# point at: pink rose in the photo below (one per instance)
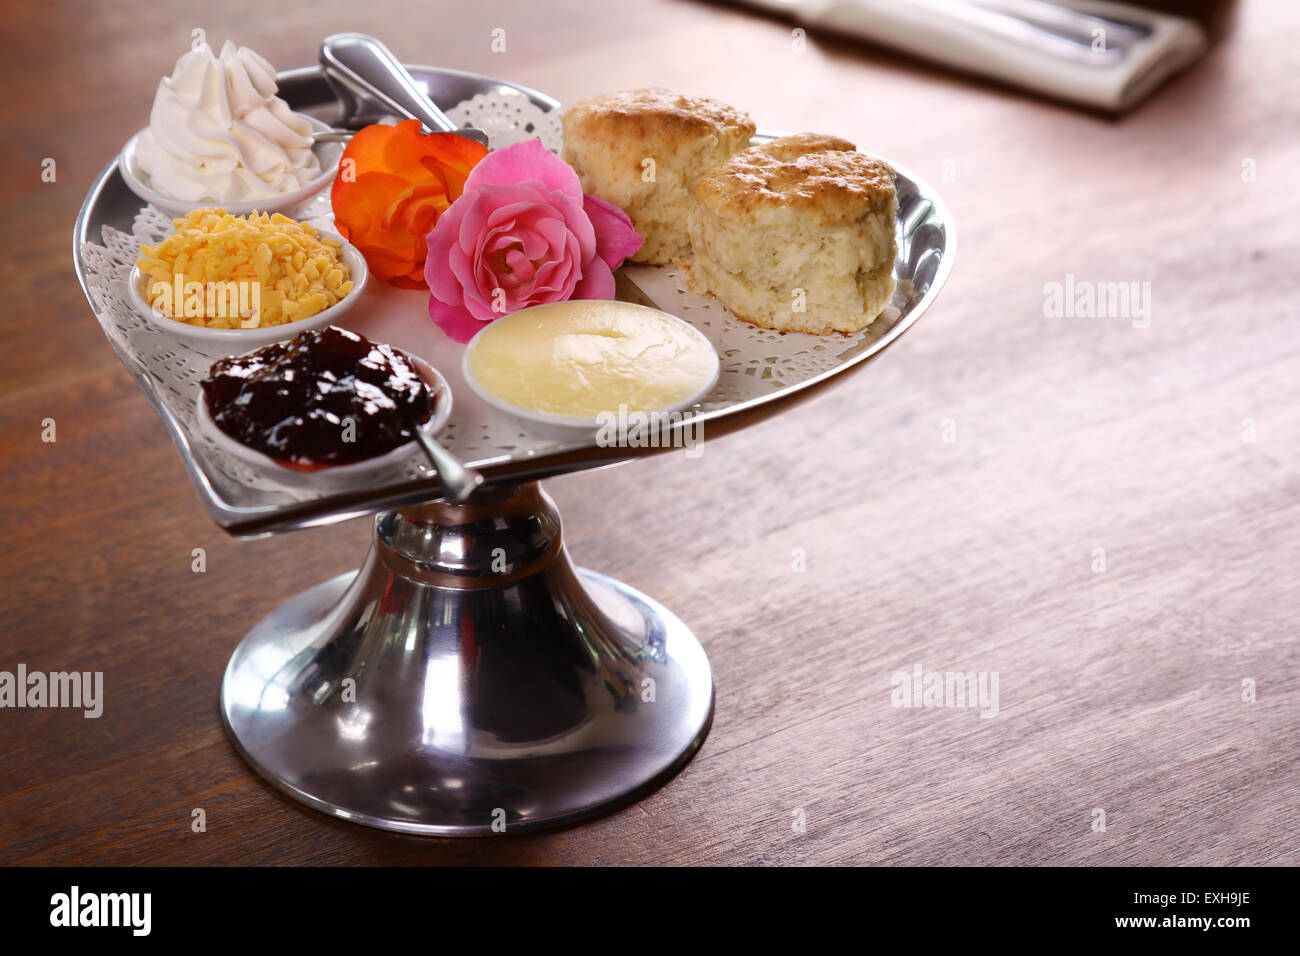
(522, 233)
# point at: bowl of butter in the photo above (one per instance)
(567, 369)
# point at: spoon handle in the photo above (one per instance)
(459, 480)
(367, 66)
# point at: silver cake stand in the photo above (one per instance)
(468, 679)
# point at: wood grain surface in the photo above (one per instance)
(949, 503)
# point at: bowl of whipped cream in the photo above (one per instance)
(219, 135)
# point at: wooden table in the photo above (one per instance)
(954, 504)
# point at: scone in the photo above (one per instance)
(797, 234)
(645, 151)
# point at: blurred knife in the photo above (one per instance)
(626, 290)
(1100, 54)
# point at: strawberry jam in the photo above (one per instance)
(327, 397)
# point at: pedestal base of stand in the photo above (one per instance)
(468, 681)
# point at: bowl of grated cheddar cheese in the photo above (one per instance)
(244, 281)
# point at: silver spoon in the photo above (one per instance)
(459, 480)
(333, 135)
(367, 68)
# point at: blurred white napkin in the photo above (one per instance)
(1105, 55)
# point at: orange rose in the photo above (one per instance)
(399, 181)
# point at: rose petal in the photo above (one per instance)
(556, 280)
(402, 181)
(616, 237)
(555, 232)
(578, 223)
(521, 234)
(538, 227)
(405, 151)
(443, 249)
(520, 266)
(525, 161)
(360, 216)
(535, 243)
(500, 201)
(597, 281)
(454, 320)
(494, 205)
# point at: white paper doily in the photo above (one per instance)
(755, 362)
(509, 118)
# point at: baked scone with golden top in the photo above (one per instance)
(645, 151)
(797, 235)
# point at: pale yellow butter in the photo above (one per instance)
(581, 358)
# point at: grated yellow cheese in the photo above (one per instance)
(290, 270)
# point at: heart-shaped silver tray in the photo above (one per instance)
(763, 372)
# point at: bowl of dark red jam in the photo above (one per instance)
(326, 400)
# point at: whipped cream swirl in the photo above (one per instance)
(218, 132)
